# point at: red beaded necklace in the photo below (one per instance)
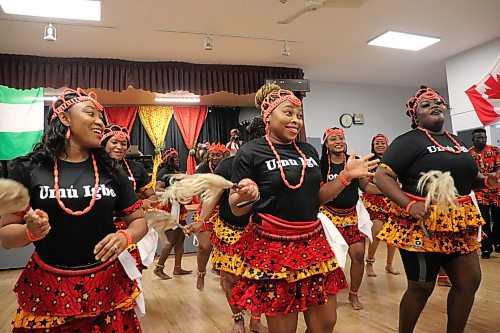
(280, 166)
(129, 172)
(210, 167)
(94, 195)
(441, 146)
(329, 165)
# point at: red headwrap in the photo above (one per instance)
(274, 99)
(169, 152)
(119, 132)
(380, 136)
(422, 93)
(82, 96)
(330, 131)
(217, 148)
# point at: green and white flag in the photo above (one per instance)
(21, 121)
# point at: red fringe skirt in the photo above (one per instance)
(287, 267)
(98, 299)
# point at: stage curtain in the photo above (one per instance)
(121, 115)
(155, 120)
(190, 120)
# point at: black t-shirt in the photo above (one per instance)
(349, 195)
(72, 239)
(204, 168)
(139, 172)
(413, 153)
(224, 169)
(256, 161)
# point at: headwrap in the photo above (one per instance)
(412, 103)
(119, 132)
(169, 152)
(82, 96)
(380, 136)
(274, 99)
(217, 148)
(330, 131)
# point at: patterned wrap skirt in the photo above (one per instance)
(209, 226)
(287, 267)
(223, 238)
(346, 221)
(377, 206)
(97, 299)
(450, 230)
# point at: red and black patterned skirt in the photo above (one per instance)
(287, 267)
(346, 221)
(377, 206)
(98, 299)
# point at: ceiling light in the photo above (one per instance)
(286, 49)
(208, 44)
(403, 41)
(49, 33)
(163, 99)
(89, 10)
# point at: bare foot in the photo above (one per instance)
(180, 271)
(444, 282)
(391, 270)
(369, 270)
(159, 273)
(257, 327)
(200, 280)
(238, 327)
(356, 304)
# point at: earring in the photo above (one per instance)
(68, 134)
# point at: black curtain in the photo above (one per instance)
(174, 140)
(220, 120)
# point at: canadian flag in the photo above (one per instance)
(485, 95)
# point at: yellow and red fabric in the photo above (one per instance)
(452, 230)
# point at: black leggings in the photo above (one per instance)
(424, 266)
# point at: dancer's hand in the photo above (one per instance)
(359, 167)
(148, 204)
(248, 190)
(418, 211)
(37, 223)
(193, 228)
(110, 247)
(494, 179)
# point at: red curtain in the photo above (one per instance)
(121, 115)
(190, 120)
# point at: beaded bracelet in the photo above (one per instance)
(408, 206)
(127, 235)
(31, 237)
(342, 179)
(206, 226)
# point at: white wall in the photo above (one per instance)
(462, 71)
(383, 108)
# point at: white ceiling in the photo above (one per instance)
(333, 46)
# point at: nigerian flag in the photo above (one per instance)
(21, 121)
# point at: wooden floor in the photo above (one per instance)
(176, 306)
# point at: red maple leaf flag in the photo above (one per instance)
(485, 95)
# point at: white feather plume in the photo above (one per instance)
(184, 188)
(440, 188)
(14, 197)
(161, 221)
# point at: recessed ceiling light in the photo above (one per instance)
(89, 10)
(403, 41)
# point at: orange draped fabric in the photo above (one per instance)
(190, 119)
